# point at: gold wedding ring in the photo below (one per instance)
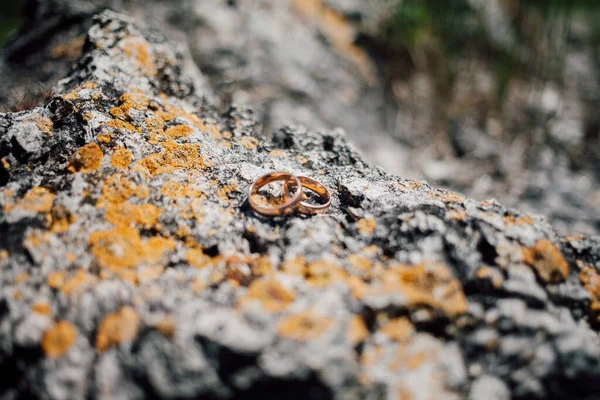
(293, 199)
(290, 204)
(318, 188)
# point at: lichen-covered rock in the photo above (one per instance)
(132, 266)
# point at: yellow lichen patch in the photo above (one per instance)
(591, 282)
(490, 274)
(276, 153)
(295, 266)
(304, 326)
(361, 264)
(547, 261)
(366, 225)
(428, 284)
(118, 113)
(357, 331)
(123, 248)
(166, 327)
(452, 198)
(77, 281)
(44, 124)
(58, 339)
(179, 131)
(271, 294)
(59, 219)
(197, 258)
(56, 279)
(121, 158)
(41, 308)
(86, 159)
(510, 220)
(194, 210)
(117, 328)
(236, 267)
(176, 156)
(457, 215)
(249, 142)
(324, 273)
(301, 159)
(134, 100)
(142, 192)
(399, 329)
(224, 191)
(104, 137)
(118, 124)
(37, 200)
(139, 50)
(126, 214)
(155, 125)
(117, 189)
(177, 190)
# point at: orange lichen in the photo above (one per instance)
(194, 210)
(121, 158)
(139, 50)
(366, 225)
(118, 124)
(118, 327)
(58, 339)
(304, 326)
(76, 282)
(44, 124)
(276, 153)
(224, 191)
(155, 125)
(591, 282)
(59, 219)
(399, 329)
(361, 265)
(177, 190)
(56, 279)
(117, 189)
(451, 197)
(166, 327)
(271, 294)
(457, 215)
(301, 159)
(104, 137)
(176, 156)
(126, 214)
(428, 284)
(179, 131)
(37, 200)
(135, 100)
(295, 266)
(123, 248)
(491, 274)
(41, 308)
(86, 159)
(324, 273)
(357, 331)
(547, 261)
(197, 258)
(510, 220)
(249, 142)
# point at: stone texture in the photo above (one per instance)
(132, 266)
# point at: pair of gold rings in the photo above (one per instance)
(293, 195)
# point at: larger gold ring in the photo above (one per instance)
(291, 202)
(315, 186)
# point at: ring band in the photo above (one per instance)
(286, 208)
(315, 186)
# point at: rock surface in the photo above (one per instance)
(132, 266)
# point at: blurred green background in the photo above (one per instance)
(10, 19)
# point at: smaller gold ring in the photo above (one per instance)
(284, 209)
(318, 188)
